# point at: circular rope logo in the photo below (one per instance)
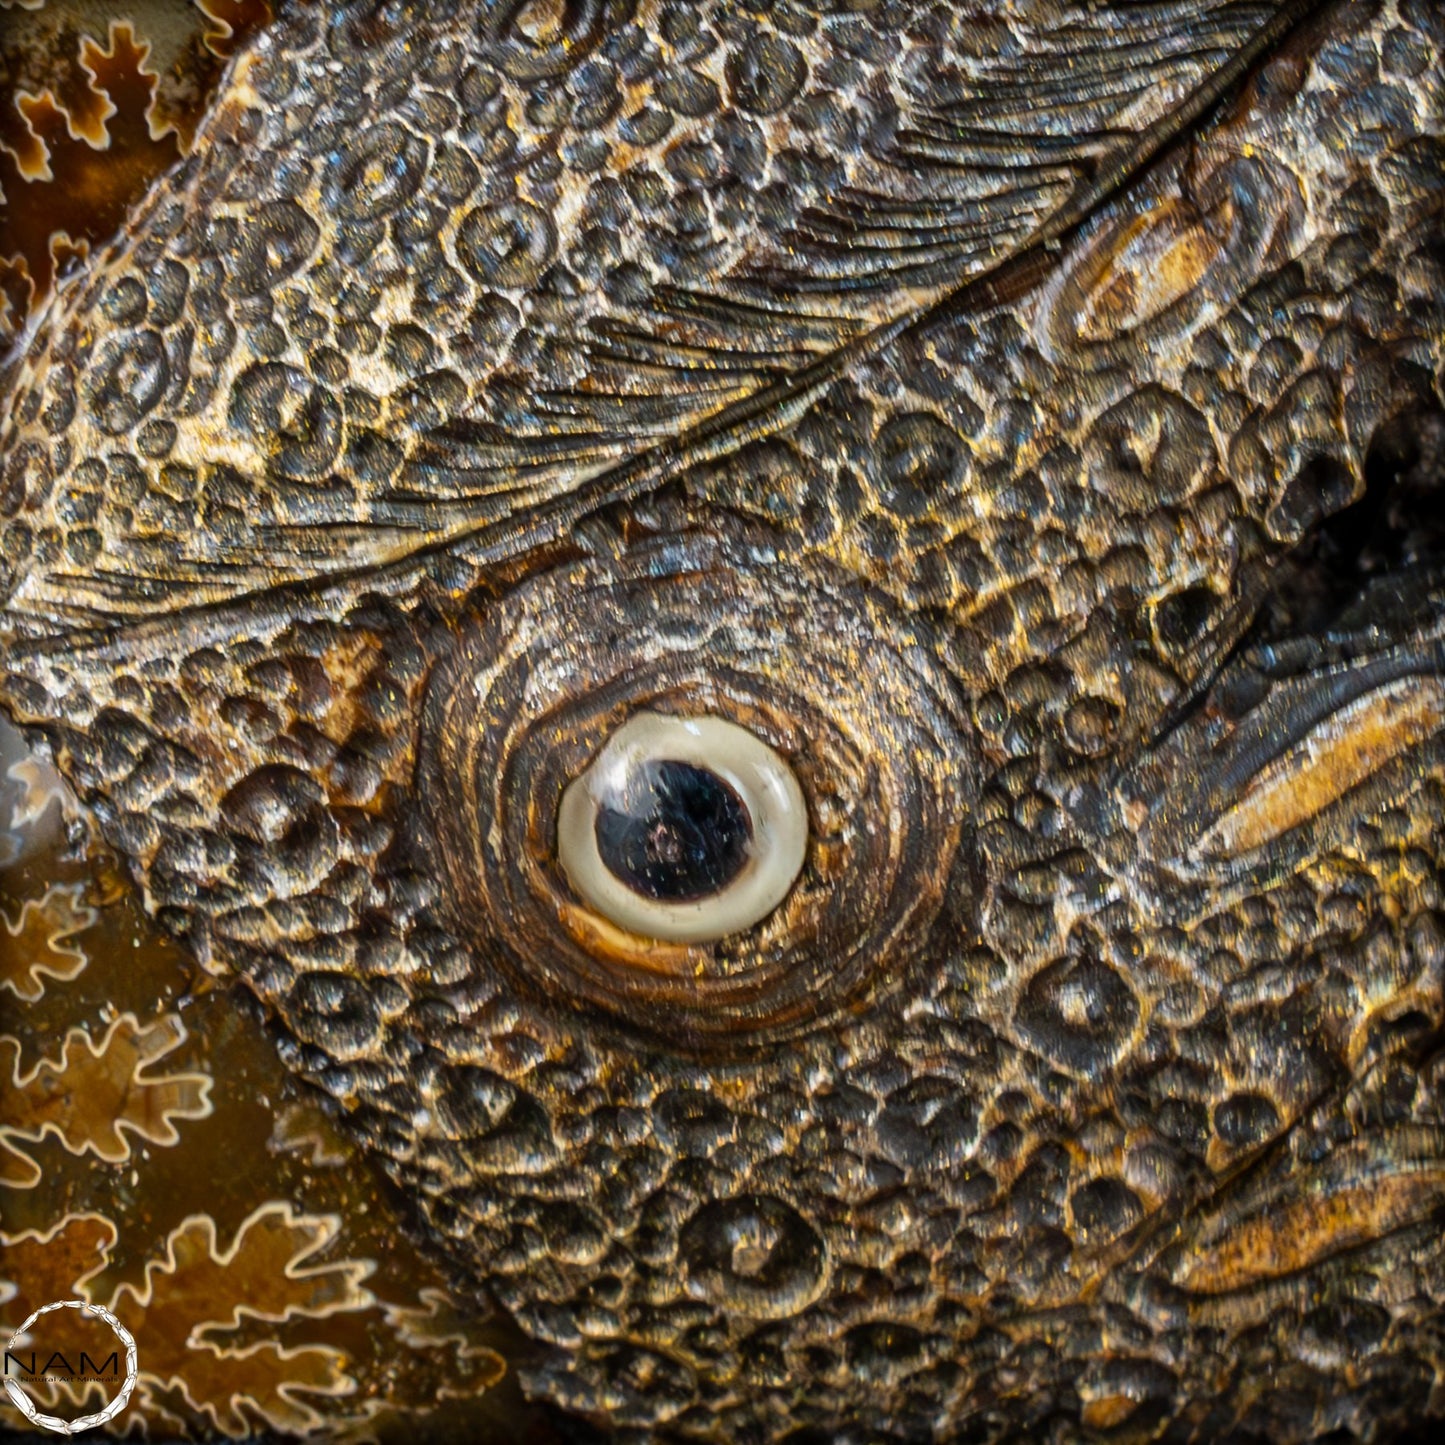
(27, 1406)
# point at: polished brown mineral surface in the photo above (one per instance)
(96, 101)
(156, 1159)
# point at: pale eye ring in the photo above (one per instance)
(683, 828)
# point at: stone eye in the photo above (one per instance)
(684, 829)
(694, 782)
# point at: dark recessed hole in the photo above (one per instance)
(1321, 489)
(1182, 618)
(1397, 525)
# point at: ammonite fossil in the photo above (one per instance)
(793, 653)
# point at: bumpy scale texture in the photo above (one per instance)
(960, 397)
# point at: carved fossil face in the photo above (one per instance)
(729, 612)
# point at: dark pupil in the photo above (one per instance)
(680, 834)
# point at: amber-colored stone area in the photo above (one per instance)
(96, 100)
(157, 1159)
